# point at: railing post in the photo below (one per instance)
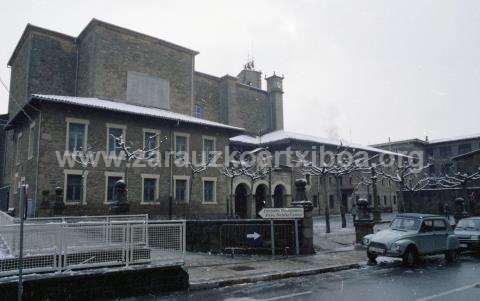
(184, 244)
(297, 244)
(272, 233)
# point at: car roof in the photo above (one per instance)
(418, 215)
(472, 217)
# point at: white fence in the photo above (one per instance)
(78, 245)
(6, 219)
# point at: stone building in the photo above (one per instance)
(253, 195)
(76, 93)
(437, 152)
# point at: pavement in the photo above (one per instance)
(335, 252)
(434, 279)
(220, 271)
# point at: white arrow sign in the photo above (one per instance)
(254, 235)
(281, 213)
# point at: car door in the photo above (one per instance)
(441, 234)
(426, 240)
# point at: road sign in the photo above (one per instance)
(253, 235)
(254, 239)
(281, 213)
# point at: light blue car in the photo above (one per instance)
(412, 235)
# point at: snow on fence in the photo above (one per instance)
(139, 218)
(6, 219)
(67, 246)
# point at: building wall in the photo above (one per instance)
(20, 164)
(44, 64)
(51, 172)
(117, 52)
(19, 78)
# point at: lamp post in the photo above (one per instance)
(21, 206)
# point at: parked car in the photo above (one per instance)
(413, 235)
(468, 233)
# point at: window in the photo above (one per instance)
(445, 151)
(331, 201)
(394, 199)
(111, 179)
(385, 200)
(74, 187)
(150, 188)
(427, 226)
(31, 132)
(76, 134)
(429, 153)
(181, 147)
(439, 225)
(208, 148)
(15, 183)
(18, 147)
(113, 132)
(308, 178)
(181, 188)
(199, 111)
(209, 190)
(464, 148)
(151, 141)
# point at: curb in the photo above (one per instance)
(195, 286)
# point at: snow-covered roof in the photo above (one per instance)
(280, 136)
(117, 106)
(458, 138)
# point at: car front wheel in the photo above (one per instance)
(410, 258)
(451, 255)
(371, 256)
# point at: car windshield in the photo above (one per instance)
(469, 224)
(405, 223)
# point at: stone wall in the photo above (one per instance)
(51, 174)
(116, 52)
(211, 236)
(104, 284)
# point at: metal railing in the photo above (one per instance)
(280, 238)
(67, 246)
(6, 219)
(139, 218)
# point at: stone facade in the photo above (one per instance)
(98, 62)
(439, 153)
(47, 163)
(350, 191)
(116, 64)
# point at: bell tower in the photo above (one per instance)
(275, 101)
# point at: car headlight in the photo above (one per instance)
(475, 237)
(366, 241)
(396, 247)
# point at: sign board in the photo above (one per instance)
(254, 239)
(281, 213)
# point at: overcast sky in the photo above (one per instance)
(360, 70)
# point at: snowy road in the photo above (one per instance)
(432, 280)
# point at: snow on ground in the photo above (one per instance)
(339, 238)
